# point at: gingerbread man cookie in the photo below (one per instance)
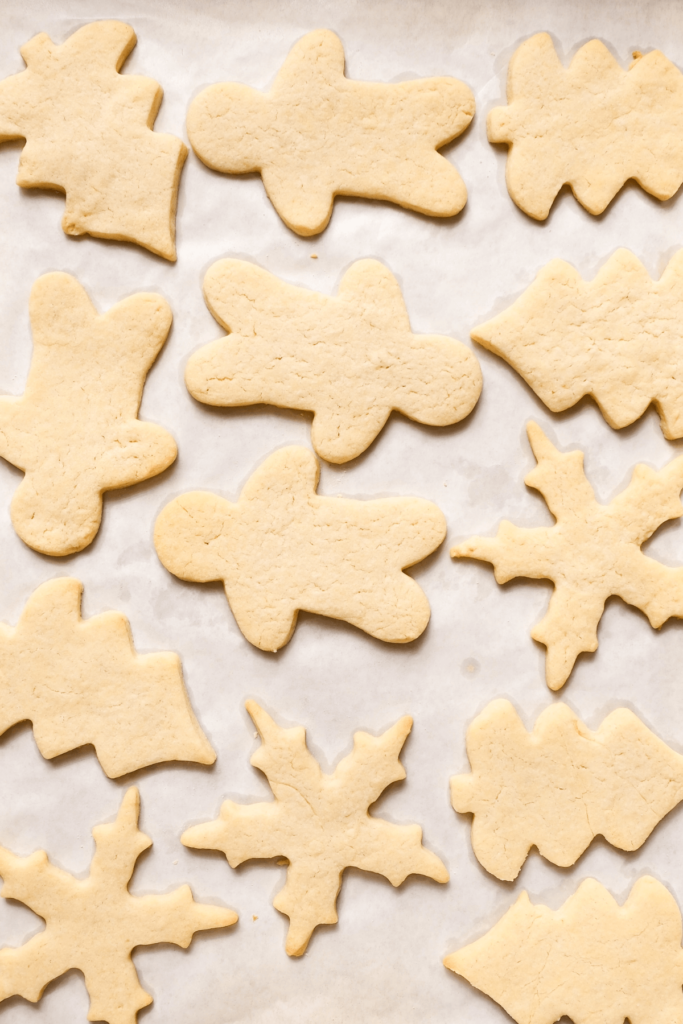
(350, 360)
(317, 134)
(282, 548)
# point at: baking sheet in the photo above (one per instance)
(382, 963)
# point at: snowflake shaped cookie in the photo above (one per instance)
(94, 924)
(319, 822)
(592, 552)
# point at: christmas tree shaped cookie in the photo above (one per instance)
(591, 125)
(618, 338)
(282, 548)
(592, 552)
(317, 135)
(75, 432)
(88, 134)
(350, 360)
(319, 822)
(592, 960)
(82, 682)
(93, 924)
(560, 785)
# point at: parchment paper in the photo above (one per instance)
(382, 963)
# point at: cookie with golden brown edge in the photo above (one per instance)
(317, 134)
(349, 360)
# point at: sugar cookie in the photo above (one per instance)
(616, 338)
(561, 785)
(88, 134)
(94, 924)
(75, 432)
(592, 960)
(82, 682)
(319, 822)
(349, 360)
(591, 125)
(592, 552)
(281, 549)
(317, 135)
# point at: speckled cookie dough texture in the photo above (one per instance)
(82, 682)
(618, 338)
(349, 360)
(88, 134)
(561, 785)
(592, 552)
(319, 822)
(592, 960)
(282, 549)
(93, 924)
(75, 432)
(591, 125)
(316, 135)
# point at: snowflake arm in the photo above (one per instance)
(569, 627)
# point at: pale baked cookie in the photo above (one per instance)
(88, 134)
(75, 432)
(93, 924)
(561, 785)
(82, 682)
(319, 822)
(591, 125)
(592, 552)
(281, 549)
(349, 360)
(592, 960)
(618, 338)
(317, 135)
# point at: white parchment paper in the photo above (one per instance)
(382, 963)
